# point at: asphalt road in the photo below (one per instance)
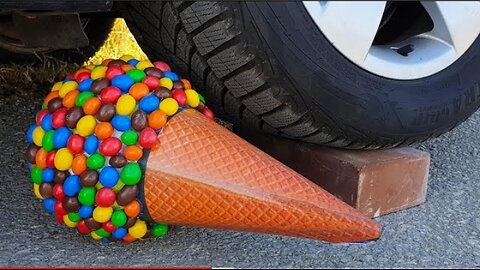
(443, 232)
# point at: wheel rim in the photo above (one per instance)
(374, 36)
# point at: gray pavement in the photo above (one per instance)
(443, 232)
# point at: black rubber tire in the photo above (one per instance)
(266, 66)
(97, 31)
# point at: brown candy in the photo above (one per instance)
(162, 92)
(153, 71)
(54, 104)
(89, 178)
(126, 195)
(99, 84)
(73, 115)
(71, 204)
(178, 85)
(46, 190)
(130, 222)
(139, 120)
(201, 106)
(118, 161)
(60, 176)
(106, 112)
(117, 62)
(31, 153)
(92, 224)
(148, 234)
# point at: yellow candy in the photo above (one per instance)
(86, 125)
(166, 82)
(57, 86)
(144, 64)
(193, 99)
(37, 135)
(118, 186)
(139, 229)
(102, 214)
(90, 67)
(169, 106)
(98, 185)
(95, 236)
(68, 222)
(126, 104)
(67, 87)
(36, 190)
(126, 57)
(98, 72)
(63, 159)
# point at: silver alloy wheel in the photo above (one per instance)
(351, 26)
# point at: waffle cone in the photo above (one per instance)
(204, 175)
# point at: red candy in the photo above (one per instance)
(208, 113)
(59, 210)
(75, 144)
(50, 159)
(105, 197)
(108, 227)
(59, 219)
(179, 96)
(162, 66)
(82, 227)
(82, 76)
(40, 116)
(58, 118)
(113, 71)
(58, 193)
(148, 138)
(110, 146)
(152, 82)
(110, 94)
(71, 75)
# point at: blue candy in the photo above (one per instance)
(121, 122)
(123, 82)
(149, 103)
(85, 85)
(68, 80)
(171, 75)
(30, 133)
(120, 233)
(48, 174)
(60, 137)
(91, 144)
(72, 185)
(85, 211)
(133, 62)
(49, 205)
(47, 122)
(108, 176)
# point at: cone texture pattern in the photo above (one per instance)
(204, 175)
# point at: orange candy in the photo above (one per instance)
(79, 164)
(106, 62)
(186, 83)
(104, 130)
(70, 98)
(133, 153)
(81, 71)
(41, 158)
(128, 238)
(132, 209)
(138, 91)
(157, 119)
(50, 96)
(92, 105)
(126, 67)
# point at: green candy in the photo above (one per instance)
(75, 217)
(159, 230)
(44, 106)
(101, 232)
(95, 161)
(131, 174)
(119, 218)
(129, 137)
(47, 141)
(86, 196)
(36, 174)
(83, 97)
(136, 74)
(202, 99)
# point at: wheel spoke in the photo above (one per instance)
(454, 22)
(351, 25)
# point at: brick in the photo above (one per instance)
(376, 182)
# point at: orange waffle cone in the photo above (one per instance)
(204, 175)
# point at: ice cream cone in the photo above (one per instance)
(204, 175)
